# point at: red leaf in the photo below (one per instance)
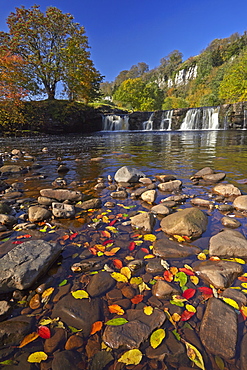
(107, 242)
(44, 332)
(137, 299)
(168, 276)
(206, 292)
(112, 222)
(117, 263)
(132, 246)
(17, 242)
(189, 293)
(187, 271)
(242, 278)
(186, 315)
(145, 250)
(72, 236)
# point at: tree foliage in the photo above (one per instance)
(54, 49)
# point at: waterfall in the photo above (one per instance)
(148, 125)
(206, 118)
(115, 123)
(166, 120)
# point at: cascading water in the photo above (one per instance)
(115, 123)
(166, 120)
(206, 118)
(148, 125)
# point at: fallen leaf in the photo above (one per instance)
(181, 277)
(28, 338)
(132, 246)
(136, 280)
(189, 293)
(131, 357)
(157, 337)
(47, 292)
(176, 317)
(206, 292)
(37, 357)
(174, 270)
(231, 302)
(194, 280)
(117, 321)
(194, 355)
(126, 272)
(44, 332)
(112, 252)
(106, 233)
(64, 282)
(119, 277)
(149, 237)
(168, 276)
(117, 263)
(97, 326)
(80, 294)
(179, 238)
(187, 271)
(186, 315)
(74, 330)
(190, 308)
(137, 299)
(115, 308)
(148, 310)
(202, 256)
(219, 362)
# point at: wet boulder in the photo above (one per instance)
(61, 210)
(204, 171)
(128, 174)
(240, 203)
(144, 221)
(163, 290)
(62, 194)
(227, 244)
(174, 185)
(100, 284)
(149, 196)
(190, 222)
(167, 249)
(38, 213)
(14, 330)
(93, 203)
(227, 190)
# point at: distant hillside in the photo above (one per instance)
(218, 75)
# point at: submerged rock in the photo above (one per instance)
(37, 214)
(168, 249)
(230, 222)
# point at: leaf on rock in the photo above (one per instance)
(126, 272)
(80, 294)
(112, 252)
(28, 339)
(194, 355)
(106, 233)
(117, 321)
(231, 302)
(97, 326)
(137, 299)
(119, 277)
(187, 271)
(149, 237)
(206, 292)
(202, 256)
(176, 317)
(174, 270)
(37, 357)
(190, 308)
(186, 315)
(64, 282)
(44, 332)
(132, 246)
(47, 292)
(115, 308)
(176, 334)
(157, 337)
(179, 238)
(136, 280)
(74, 330)
(189, 293)
(148, 310)
(131, 357)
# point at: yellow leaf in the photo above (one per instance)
(231, 302)
(179, 238)
(194, 355)
(126, 272)
(157, 337)
(112, 252)
(136, 280)
(244, 310)
(80, 294)
(28, 338)
(174, 270)
(115, 308)
(194, 279)
(37, 357)
(143, 286)
(190, 308)
(131, 357)
(219, 362)
(148, 310)
(244, 285)
(149, 237)
(148, 256)
(48, 321)
(47, 292)
(202, 256)
(112, 229)
(119, 277)
(129, 258)
(238, 260)
(105, 219)
(188, 267)
(176, 317)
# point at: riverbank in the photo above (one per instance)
(122, 248)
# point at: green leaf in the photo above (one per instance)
(194, 355)
(175, 333)
(177, 303)
(157, 337)
(131, 357)
(74, 330)
(181, 277)
(117, 321)
(80, 294)
(8, 362)
(64, 282)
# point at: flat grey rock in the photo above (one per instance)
(226, 190)
(23, 265)
(240, 203)
(144, 221)
(168, 249)
(170, 186)
(128, 174)
(62, 194)
(228, 243)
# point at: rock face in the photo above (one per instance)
(168, 249)
(226, 190)
(191, 222)
(220, 274)
(80, 313)
(241, 203)
(227, 244)
(62, 194)
(25, 263)
(144, 221)
(128, 174)
(219, 325)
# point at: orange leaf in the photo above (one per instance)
(28, 339)
(137, 299)
(112, 252)
(117, 263)
(65, 237)
(168, 276)
(97, 326)
(174, 270)
(115, 308)
(106, 234)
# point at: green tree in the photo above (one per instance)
(233, 87)
(54, 48)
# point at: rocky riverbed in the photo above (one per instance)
(132, 272)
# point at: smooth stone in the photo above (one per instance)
(128, 291)
(37, 214)
(204, 171)
(168, 203)
(202, 202)
(230, 222)
(4, 308)
(227, 190)
(177, 352)
(62, 194)
(190, 222)
(220, 274)
(227, 244)
(64, 360)
(145, 181)
(225, 207)
(79, 313)
(62, 168)
(161, 209)
(12, 195)
(100, 283)
(170, 186)
(240, 203)
(144, 221)
(128, 174)
(138, 192)
(61, 210)
(7, 220)
(236, 295)
(94, 203)
(158, 353)
(219, 325)
(168, 249)
(155, 320)
(14, 330)
(154, 266)
(46, 201)
(165, 178)
(215, 177)
(24, 264)
(119, 194)
(149, 196)
(163, 290)
(179, 198)
(56, 341)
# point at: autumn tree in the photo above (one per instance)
(54, 49)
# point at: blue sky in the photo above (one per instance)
(124, 32)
